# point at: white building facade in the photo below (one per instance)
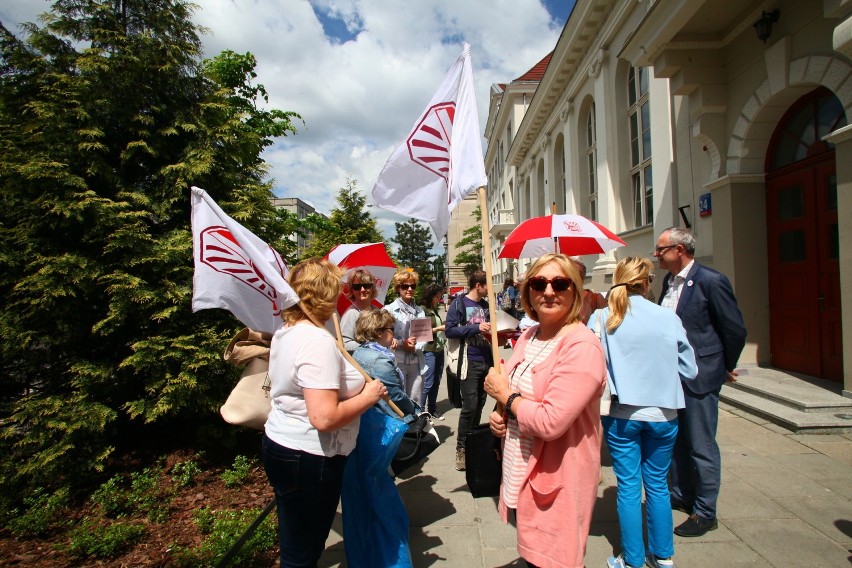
(662, 113)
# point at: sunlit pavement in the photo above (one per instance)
(786, 501)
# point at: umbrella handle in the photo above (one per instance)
(354, 363)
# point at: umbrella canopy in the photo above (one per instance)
(574, 234)
(369, 256)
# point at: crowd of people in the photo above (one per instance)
(663, 363)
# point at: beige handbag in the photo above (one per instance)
(249, 403)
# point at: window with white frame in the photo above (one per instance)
(592, 163)
(639, 118)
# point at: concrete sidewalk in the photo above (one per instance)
(786, 501)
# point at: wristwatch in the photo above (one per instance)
(509, 402)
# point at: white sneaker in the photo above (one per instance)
(618, 562)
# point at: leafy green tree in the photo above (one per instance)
(470, 246)
(107, 116)
(415, 241)
(349, 222)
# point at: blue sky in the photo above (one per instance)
(360, 72)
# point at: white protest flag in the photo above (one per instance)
(235, 270)
(440, 161)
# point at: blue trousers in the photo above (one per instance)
(307, 490)
(432, 380)
(697, 466)
(641, 455)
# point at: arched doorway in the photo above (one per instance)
(803, 248)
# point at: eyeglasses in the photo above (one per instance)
(390, 329)
(407, 286)
(559, 284)
(659, 250)
(362, 285)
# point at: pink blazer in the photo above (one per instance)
(560, 486)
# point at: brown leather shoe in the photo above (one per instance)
(696, 526)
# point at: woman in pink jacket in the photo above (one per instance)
(550, 391)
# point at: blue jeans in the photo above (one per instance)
(432, 380)
(641, 456)
(307, 491)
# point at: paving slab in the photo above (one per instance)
(786, 543)
(830, 516)
(739, 500)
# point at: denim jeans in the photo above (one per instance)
(641, 456)
(432, 380)
(307, 491)
(473, 399)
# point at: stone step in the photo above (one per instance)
(801, 392)
(786, 416)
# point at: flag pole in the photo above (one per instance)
(489, 270)
(555, 239)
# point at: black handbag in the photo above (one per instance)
(417, 443)
(483, 461)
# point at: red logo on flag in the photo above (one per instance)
(572, 226)
(429, 144)
(221, 252)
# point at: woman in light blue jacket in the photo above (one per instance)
(374, 330)
(647, 356)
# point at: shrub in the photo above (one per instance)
(238, 474)
(222, 529)
(143, 495)
(103, 541)
(43, 512)
(184, 472)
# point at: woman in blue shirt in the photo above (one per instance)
(647, 357)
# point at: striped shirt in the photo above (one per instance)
(518, 447)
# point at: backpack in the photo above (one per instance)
(505, 301)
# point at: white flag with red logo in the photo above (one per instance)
(441, 161)
(235, 270)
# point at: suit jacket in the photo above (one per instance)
(713, 323)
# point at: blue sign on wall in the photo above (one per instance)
(705, 205)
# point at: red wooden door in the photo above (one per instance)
(804, 278)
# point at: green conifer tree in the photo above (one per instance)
(349, 222)
(107, 116)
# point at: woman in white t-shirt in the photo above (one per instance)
(317, 398)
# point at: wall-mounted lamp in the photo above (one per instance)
(683, 216)
(763, 26)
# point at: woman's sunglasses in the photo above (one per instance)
(559, 284)
(407, 286)
(363, 285)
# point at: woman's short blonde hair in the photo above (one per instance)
(360, 276)
(317, 283)
(370, 324)
(402, 276)
(570, 270)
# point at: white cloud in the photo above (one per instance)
(359, 98)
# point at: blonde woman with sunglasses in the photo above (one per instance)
(550, 394)
(408, 352)
(361, 290)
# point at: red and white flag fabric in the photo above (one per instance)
(235, 270)
(441, 161)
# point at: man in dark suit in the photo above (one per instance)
(705, 302)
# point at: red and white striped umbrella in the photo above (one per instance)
(568, 234)
(369, 256)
